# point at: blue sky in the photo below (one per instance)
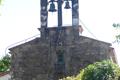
(20, 19)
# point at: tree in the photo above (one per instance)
(0, 6)
(117, 26)
(105, 70)
(5, 63)
(0, 2)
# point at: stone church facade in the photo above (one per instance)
(59, 52)
(39, 59)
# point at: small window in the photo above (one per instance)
(60, 57)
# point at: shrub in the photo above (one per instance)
(5, 63)
(105, 70)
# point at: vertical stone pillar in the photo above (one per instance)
(43, 17)
(75, 13)
(75, 18)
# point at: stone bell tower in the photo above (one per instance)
(44, 14)
(56, 36)
(60, 51)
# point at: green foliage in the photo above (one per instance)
(117, 26)
(105, 70)
(68, 78)
(118, 38)
(5, 63)
(0, 6)
(0, 2)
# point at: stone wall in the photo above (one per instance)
(37, 59)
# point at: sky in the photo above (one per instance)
(20, 19)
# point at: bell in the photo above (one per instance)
(52, 7)
(67, 5)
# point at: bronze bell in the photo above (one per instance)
(67, 5)
(52, 7)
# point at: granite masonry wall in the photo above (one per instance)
(36, 59)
